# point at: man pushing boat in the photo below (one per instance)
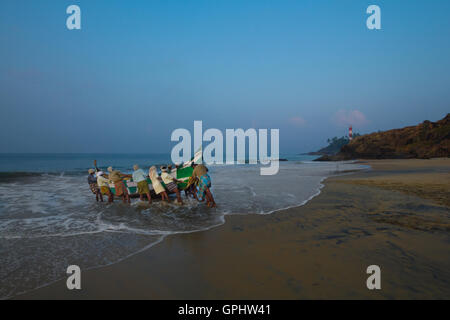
(193, 178)
(92, 181)
(140, 178)
(121, 190)
(200, 174)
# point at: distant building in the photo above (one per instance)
(350, 133)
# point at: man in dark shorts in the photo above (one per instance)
(171, 183)
(92, 181)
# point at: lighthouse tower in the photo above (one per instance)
(350, 133)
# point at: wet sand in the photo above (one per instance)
(396, 216)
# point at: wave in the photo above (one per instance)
(6, 177)
(54, 221)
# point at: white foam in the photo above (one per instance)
(59, 212)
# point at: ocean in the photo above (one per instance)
(49, 218)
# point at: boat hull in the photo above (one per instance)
(182, 174)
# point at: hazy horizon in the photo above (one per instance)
(169, 151)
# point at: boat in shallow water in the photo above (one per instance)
(182, 173)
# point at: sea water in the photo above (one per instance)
(49, 218)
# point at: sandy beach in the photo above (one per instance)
(395, 215)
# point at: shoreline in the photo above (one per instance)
(312, 249)
(163, 237)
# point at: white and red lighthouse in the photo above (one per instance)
(350, 133)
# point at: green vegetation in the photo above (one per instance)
(334, 145)
(425, 140)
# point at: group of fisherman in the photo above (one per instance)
(198, 186)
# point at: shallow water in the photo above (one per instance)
(50, 220)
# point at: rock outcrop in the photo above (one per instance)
(424, 141)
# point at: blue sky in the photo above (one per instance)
(137, 70)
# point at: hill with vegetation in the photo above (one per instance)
(425, 140)
(334, 146)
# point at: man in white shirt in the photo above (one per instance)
(103, 184)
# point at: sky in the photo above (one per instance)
(137, 70)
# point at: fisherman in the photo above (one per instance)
(92, 181)
(140, 178)
(191, 189)
(121, 190)
(103, 183)
(204, 184)
(157, 186)
(171, 183)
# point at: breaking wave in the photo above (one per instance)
(51, 220)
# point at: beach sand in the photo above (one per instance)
(395, 216)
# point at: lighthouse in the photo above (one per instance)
(350, 133)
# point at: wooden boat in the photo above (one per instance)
(182, 173)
